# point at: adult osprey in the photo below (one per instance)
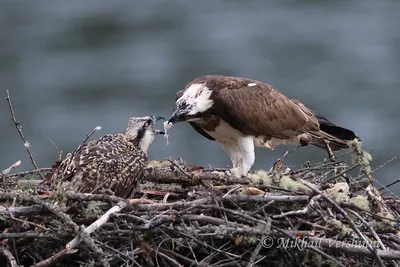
(241, 113)
(114, 163)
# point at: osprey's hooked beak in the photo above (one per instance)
(177, 116)
(157, 118)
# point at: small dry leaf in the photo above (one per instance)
(135, 201)
(44, 195)
(253, 191)
(299, 235)
(238, 240)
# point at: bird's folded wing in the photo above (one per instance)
(261, 110)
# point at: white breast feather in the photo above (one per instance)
(225, 133)
(146, 141)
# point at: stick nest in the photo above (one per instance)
(185, 215)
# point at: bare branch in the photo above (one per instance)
(9, 256)
(19, 129)
(7, 171)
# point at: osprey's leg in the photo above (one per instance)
(329, 150)
(246, 145)
(233, 150)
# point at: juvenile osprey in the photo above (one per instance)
(241, 113)
(115, 162)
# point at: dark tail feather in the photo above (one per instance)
(337, 136)
(334, 130)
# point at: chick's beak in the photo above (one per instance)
(155, 131)
(157, 118)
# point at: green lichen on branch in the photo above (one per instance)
(362, 157)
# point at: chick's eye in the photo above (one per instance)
(147, 123)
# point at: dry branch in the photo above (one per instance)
(9, 256)
(7, 171)
(99, 222)
(21, 134)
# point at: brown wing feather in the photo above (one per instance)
(259, 109)
(200, 130)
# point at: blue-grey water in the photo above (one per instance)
(73, 65)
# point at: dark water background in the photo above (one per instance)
(72, 65)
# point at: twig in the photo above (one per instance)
(177, 255)
(167, 175)
(302, 242)
(7, 171)
(119, 253)
(20, 174)
(350, 221)
(9, 256)
(231, 190)
(389, 185)
(383, 165)
(342, 173)
(279, 162)
(354, 249)
(59, 152)
(298, 212)
(187, 174)
(53, 259)
(173, 262)
(98, 223)
(258, 248)
(371, 230)
(26, 221)
(88, 135)
(20, 235)
(22, 210)
(62, 216)
(179, 168)
(326, 255)
(19, 129)
(90, 229)
(230, 198)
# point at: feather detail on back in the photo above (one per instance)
(109, 163)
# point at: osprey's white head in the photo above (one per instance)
(195, 101)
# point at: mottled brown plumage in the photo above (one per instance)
(231, 109)
(114, 163)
